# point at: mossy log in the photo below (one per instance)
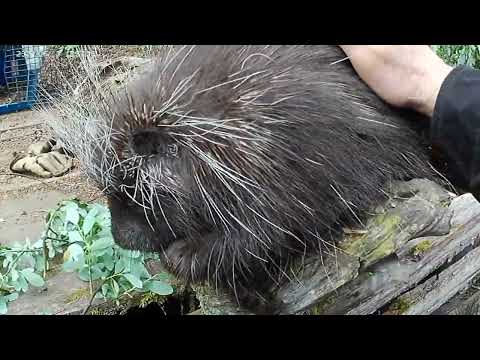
(416, 254)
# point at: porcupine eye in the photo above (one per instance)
(147, 142)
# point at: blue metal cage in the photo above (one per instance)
(20, 67)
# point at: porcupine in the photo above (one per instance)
(230, 161)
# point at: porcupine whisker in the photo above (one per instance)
(281, 272)
(339, 61)
(326, 244)
(203, 120)
(223, 169)
(211, 205)
(182, 61)
(147, 193)
(179, 91)
(122, 187)
(329, 279)
(233, 279)
(146, 214)
(165, 217)
(200, 136)
(347, 205)
(220, 176)
(172, 192)
(220, 124)
(252, 55)
(208, 204)
(256, 256)
(181, 87)
(192, 266)
(223, 135)
(170, 58)
(376, 122)
(154, 195)
(216, 86)
(212, 249)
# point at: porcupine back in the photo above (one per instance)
(230, 160)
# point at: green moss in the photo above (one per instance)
(384, 249)
(398, 307)
(77, 295)
(316, 310)
(96, 312)
(150, 298)
(325, 302)
(375, 245)
(445, 203)
(421, 247)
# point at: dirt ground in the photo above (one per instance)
(24, 201)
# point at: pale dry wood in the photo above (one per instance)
(430, 295)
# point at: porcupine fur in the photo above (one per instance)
(230, 161)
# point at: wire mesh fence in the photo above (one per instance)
(20, 67)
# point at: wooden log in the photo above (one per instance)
(464, 303)
(427, 297)
(415, 254)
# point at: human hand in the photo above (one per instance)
(408, 76)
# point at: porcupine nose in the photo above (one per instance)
(147, 142)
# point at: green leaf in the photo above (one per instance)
(21, 284)
(102, 243)
(51, 250)
(32, 278)
(74, 236)
(69, 266)
(82, 212)
(159, 287)
(116, 288)
(89, 221)
(135, 281)
(103, 215)
(11, 297)
(14, 275)
(163, 276)
(119, 266)
(83, 274)
(108, 262)
(39, 263)
(74, 258)
(3, 305)
(71, 214)
(73, 252)
(139, 270)
(105, 290)
(96, 272)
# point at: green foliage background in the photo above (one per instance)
(459, 54)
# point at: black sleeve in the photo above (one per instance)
(455, 126)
